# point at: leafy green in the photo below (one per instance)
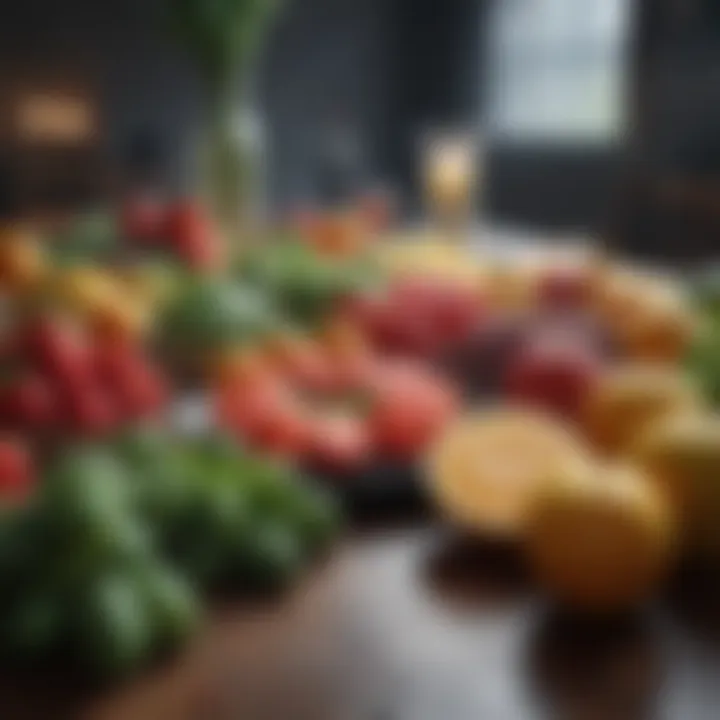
(115, 630)
(306, 284)
(209, 315)
(93, 236)
(222, 35)
(110, 557)
(703, 361)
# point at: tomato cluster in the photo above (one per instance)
(59, 381)
(334, 411)
(418, 317)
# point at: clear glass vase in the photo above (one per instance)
(233, 168)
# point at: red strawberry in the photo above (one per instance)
(17, 474)
(142, 389)
(59, 348)
(146, 390)
(139, 388)
(191, 233)
(92, 411)
(30, 403)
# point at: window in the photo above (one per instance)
(557, 69)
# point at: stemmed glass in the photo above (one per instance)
(450, 175)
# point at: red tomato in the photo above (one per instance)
(355, 372)
(284, 430)
(340, 443)
(266, 415)
(191, 233)
(410, 408)
(142, 220)
(58, 347)
(30, 403)
(308, 366)
(17, 474)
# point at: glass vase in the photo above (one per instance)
(232, 168)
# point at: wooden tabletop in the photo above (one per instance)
(413, 624)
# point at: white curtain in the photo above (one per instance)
(557, 69)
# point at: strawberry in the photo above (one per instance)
(142, 389)
(59, 348)
(139, 388)
(30, 403)
(17, 474)
(191, 234)
(92, 412)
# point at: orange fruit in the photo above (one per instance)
(599, 538)
(240, 364)
(486, 466)
(682, 455)
(648, 316)
(628, 398)
(23, 263)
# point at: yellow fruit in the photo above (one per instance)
(104, 301)
(150, 284)
(487, 465)
(85, 288)
(241, 363)
(648, 316)
(660, 327)
(22, 260)
(600, 538)
(429, 258)
(123, 319)
(682, 454)
(628, 398)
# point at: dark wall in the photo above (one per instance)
(385, 69)
(671, 203)
(326, 59)
(326, 70)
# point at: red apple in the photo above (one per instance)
(564, 288)
(554, 372)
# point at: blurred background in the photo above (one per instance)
(594, 115)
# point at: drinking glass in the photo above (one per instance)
(451, 174)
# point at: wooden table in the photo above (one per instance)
(412, 624)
